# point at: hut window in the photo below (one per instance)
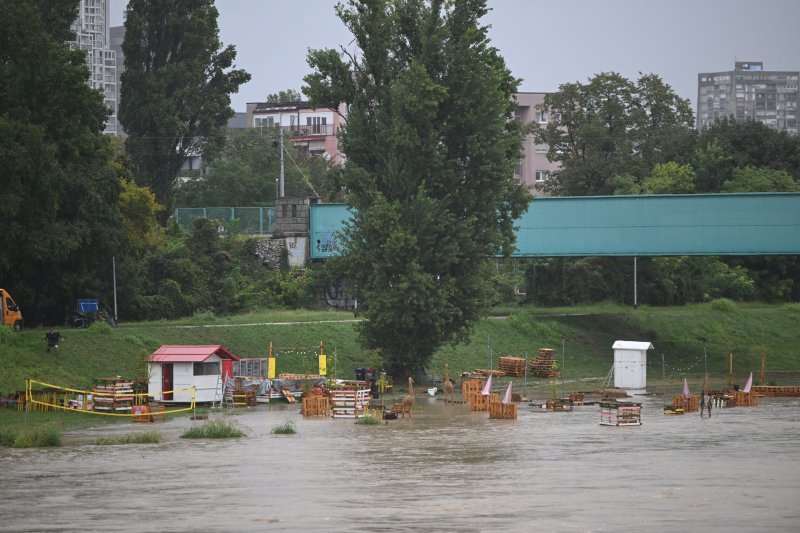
(206, 369)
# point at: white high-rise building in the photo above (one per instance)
(91, 30)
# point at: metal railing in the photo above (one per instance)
(252, 220)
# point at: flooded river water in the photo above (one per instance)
(446, 469)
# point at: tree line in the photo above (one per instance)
(615, 136)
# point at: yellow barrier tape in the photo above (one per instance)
(30, 399)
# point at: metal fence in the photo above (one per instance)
(252, 220)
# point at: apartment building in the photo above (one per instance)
(534, 168)
(91, 30)
(748, 92)
(315, 130)
(117, 36)
(304, 126)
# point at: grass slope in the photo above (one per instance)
(682, 334)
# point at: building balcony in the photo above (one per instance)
(306, 130)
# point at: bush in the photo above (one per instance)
(148, 437)
(7, 437)
(286, 428)
(100, 328)
(214, 429)
(38, 437)
(368, 420)
(723, 305)
(5, 334)
(793, 308)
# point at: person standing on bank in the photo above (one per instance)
(53, 339)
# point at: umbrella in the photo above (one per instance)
(507, 397)
(487, 389)
(749, 383)
(686, 393)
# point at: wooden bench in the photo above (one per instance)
(401, 409)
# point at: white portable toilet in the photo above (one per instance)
(630, 364)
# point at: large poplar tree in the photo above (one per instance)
(431, 149)
(60, 219)
(175, 95)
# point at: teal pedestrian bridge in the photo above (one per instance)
(652, 225)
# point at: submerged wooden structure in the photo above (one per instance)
(771, 390)
(503, 411)
(690, 404)
(614, 413)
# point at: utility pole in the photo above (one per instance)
(281, 191)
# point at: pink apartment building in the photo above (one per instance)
(534, 168)
(315, 130)
(311, 128)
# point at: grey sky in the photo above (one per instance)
(545, 43)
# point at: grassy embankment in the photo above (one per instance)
(682, 334)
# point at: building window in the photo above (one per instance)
(206, 369)
(316, 124)
(541, 117)
(264, 122)
(542, 176)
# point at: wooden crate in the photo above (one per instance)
(316, 406)
(470, 386)
(350, 403)
(503, 411)
(689, 405)
(744, 399)
(480, 402)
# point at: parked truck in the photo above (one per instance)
(12, 316)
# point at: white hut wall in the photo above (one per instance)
(630, 369)
(154, 386)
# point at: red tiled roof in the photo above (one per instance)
(190, 354)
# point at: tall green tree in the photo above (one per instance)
(730, 144)
(431, 151)
(611, 129)
(289, 95)
(175, 95)
(246, 170)
(60, 219)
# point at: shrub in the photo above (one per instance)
(100, 328)
(286, 428)
(5, 334)
(793, 308)
(7, 437)
(368, 420)
(38, 437)
(148, 437)
(723, 305)
(214, 429)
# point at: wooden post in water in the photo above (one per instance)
(730, 371)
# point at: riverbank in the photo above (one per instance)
(692, 339)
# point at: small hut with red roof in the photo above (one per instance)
(174, 370)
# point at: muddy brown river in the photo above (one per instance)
(446, 469)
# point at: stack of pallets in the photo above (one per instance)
(544, 366)
(512, 366)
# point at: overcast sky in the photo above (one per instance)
(545, 43)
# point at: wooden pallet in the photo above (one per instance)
(512, 366)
